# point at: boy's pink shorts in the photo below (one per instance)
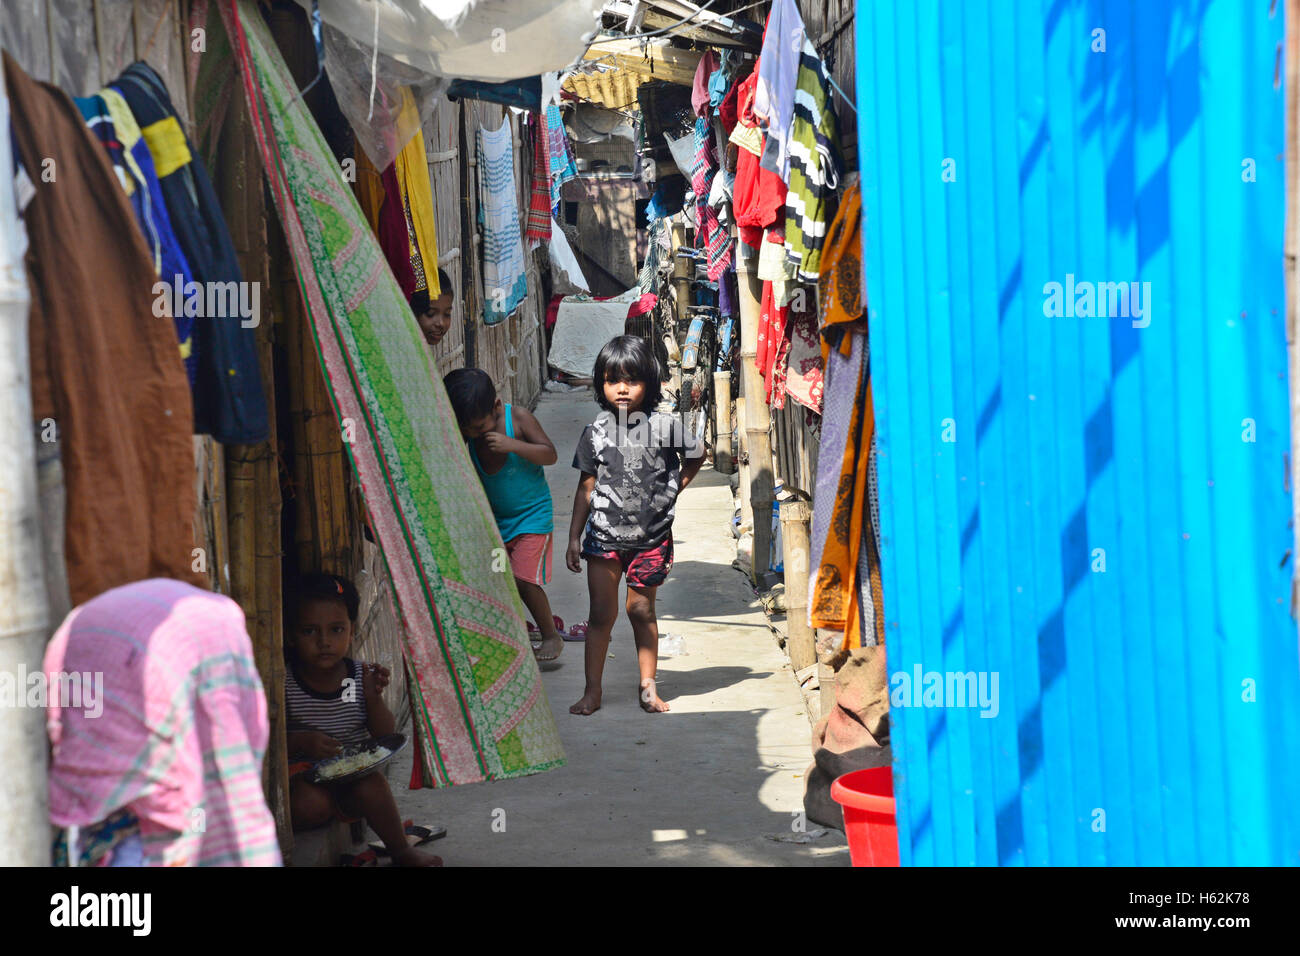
(530, 557)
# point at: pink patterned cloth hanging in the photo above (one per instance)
(803, 377)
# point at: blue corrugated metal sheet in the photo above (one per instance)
(1125, 691)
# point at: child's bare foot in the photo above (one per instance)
(549, 648)
(650, 701)
(413, 857)
(589, 704)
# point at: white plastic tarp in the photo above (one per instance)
(376, 49)
(564, 264)
(487, 40)
(683, 150)
(583, 326)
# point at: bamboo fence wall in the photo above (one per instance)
(796, 432)
(442, 149)
(510, 351)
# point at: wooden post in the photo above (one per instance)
(757, 420)
(724, 459)
(468, 290)
(795, 516)
(825, 687)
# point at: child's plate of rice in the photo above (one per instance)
(357, 760)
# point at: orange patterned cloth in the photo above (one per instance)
(840, 284)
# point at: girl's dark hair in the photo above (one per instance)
(327, 587)
(627, 357)
(420, 301)
(471, 392)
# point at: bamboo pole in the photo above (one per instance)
(800, 642)
(251, 472)
(468, 289)
(220, 521)
(322, 508)
(24, 611)
(757, 421)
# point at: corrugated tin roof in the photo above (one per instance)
(615, 89)
(627, 65)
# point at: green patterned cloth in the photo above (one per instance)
(477, 699)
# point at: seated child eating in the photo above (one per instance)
(509, 447)
(332, 700)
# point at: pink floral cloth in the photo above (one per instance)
(181, 726)
(803, 377)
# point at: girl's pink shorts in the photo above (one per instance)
(530, 557)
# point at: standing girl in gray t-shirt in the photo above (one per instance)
(634, 462)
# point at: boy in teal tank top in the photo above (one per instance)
(509, 448)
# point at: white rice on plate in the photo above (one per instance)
(342, 766)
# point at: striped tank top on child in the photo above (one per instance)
(332, 714)
(518, 493)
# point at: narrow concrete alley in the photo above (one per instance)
(716, 781)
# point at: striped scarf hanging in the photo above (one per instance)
(538, 228)
(504, 271)
(561, 166)
(814, 166)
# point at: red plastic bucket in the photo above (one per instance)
(867, 797)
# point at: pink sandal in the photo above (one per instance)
(576, 633)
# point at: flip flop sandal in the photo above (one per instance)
(576, 633)
(366, 858)
(425, 834)
(422, 834)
